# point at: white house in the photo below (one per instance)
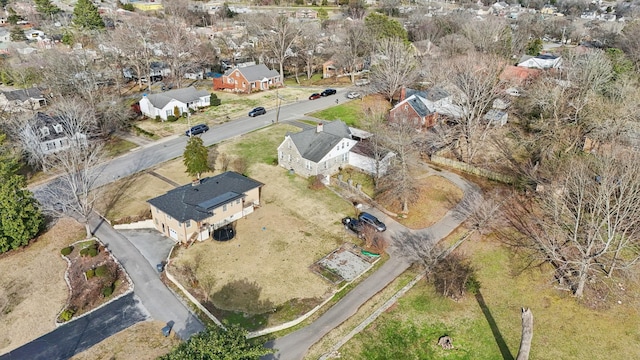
(50, 135)
(164, 104)
(543, 61)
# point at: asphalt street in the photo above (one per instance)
(82, 333)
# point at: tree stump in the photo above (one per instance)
(446, 342)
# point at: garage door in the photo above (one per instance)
(173, 234)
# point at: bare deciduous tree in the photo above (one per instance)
(474, 89)
(277, 35)
(396, 67)
(489, 36)
(352, 50)
(397, 185)
(131, 40)
(586, 223)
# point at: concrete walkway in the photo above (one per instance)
(295, 345)
(162, 304)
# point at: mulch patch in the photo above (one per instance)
(87, 293)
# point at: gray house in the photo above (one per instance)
(327, 147)
(22, 100)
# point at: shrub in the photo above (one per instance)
(93, 252)
(107, 290)
(66, 315)
(158, 118)
(84, 252)
(171, 118)
(315, 182)
(102, 271)
(90, 273)
(454, 275)
(214, 100)
(67, 250)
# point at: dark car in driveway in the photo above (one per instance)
(372, 221)
(354, 225)
(198, 129)
(315, 96)
(328, 92)
(257, 111)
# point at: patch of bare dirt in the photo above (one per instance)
(32, 286)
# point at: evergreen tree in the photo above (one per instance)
(46, 8)
(534, 47)
(17, 34)
(216, 343)
(195, 157)
(381, 26)
(86, 16)
(20, 217)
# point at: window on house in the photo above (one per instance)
(406, 107)
(224, 207)
(289, 157)
(57, 128)
(169, 217)
(244, 84)
(188, 224)
(238, 202)
(343, 144)
(307, 165)
(169, 113)
(288, 144)
(44, 131)
(345, 157)
(280, 155)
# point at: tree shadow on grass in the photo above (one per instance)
(502, 345)
(238, 302)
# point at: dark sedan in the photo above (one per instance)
(257, 111)
(328, 92)
(315, 96)
(198, 129)
(354, 225)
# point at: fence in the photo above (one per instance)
(492, 175)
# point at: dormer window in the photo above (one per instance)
(44, 131)
(57, 128)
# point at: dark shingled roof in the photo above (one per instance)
(255, 72)
(185, 95)
(314, 145)
(24, 94)
(197, 203)
(419, 106)
(43, 120)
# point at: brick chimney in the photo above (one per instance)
(403, 93)
(319, 127)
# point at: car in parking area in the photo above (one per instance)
(353, 95)
(328, 92)
(257, 111)
(372, 221)
(354, 225)
(198, 129)
(315, 96)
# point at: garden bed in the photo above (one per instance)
(94, 278)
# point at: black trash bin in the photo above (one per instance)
(160, 267)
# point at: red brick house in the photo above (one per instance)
(248, 79)
(423, 108)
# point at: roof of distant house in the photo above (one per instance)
(314, 145)
(42, 120)
(255, 72)
(197, 203)
(24, 94)
(518, 73)
(419, 106)
(366, 148)
(185, 95)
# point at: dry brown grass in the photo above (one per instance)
(128, 197)
(436, 196)
(274, 246)
(141, 341)
(232, 106)
(32, 286)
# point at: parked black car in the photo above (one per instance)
(373, 221)
(354, 225)
(257, 111)
(328, 92)
(198, 129)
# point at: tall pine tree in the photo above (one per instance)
(195, 157)
(20, 217)
(86, 16)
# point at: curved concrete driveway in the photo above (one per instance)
(295, 345)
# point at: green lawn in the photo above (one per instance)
(261, 145)
(488, 327)
(351, 113)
